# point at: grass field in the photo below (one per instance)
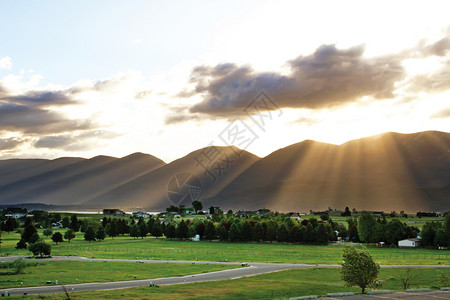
(279, 285)
(126, 247)
(67, 272)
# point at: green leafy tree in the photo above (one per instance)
(171, 231)
(295, 234)
(65, 222)
(428, 233)
(19, 265)
(9, 225)
(100, 234)
(28, 232)
(322, 235)
(395, 231)
(57, 237)
(353, 229)
(358, 268)
(157, 230)
(210, 231)
(234, 234)
(40, 248)
(182, 230)
(310, 234)
(69, 235)
(222, 232)
(258, 232)
(134, 231)
(111, 229)
(367, 227)
(89, 234)
(246, 232)
(142, 229)
(34, 238)
(21, 244)
(74, 224)
(197, 205)
(440, 238)
(282, 234)
(48, 232)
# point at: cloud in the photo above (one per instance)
(54, 141)
(328, 77)
(40, 98)
(5, 63)
(11, 143)
(442, 114)
(32, 120)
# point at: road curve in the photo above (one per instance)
(251, 270)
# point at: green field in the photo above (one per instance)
(67, 272)
(152, 248)
(279, 285)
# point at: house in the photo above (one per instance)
(381, 244)
(116, 212)
(16, 212)
(141, 214)
(57, 225)
(295, 216)
(409, 243)
(196, 238)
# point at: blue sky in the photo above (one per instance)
(83, 78)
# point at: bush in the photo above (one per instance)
(40, 248)
(48, 232)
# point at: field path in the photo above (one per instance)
(250, 270)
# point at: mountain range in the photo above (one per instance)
(390, 171)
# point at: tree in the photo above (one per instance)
(210, 231)
(111, 229)
(234, 234)
(429, 233)
(142, 229)
(57, 237)
(395, 232)
(258, 232)
(134, 231)
(310, 234)
(28, 232)
(19, 265)
(222, 232)
(34, 238)
(69, 235)
(157, 230)
(74, 224)
(65, 222)
(9, 225)
(200, 229)
(346, 213)
(171, 231)
(197, 206)
(353, 229)
(21, 244)
(358, 268)
(246, 232)
(48, 232)
(322, 235)
(182, 230)
(295, 234)
(89, 234)
(367, 227)
(282, 234)
(40, 248)
(150, 223)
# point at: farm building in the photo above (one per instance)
(113, 212)
(410, 243)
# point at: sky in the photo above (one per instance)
(87, 78)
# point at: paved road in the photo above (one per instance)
(251, 270)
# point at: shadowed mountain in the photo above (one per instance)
(200, 174)
(390, 171)
(74, 180)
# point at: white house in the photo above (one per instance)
(57, 225)
(410, 243)
(141, 214)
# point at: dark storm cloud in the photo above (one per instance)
(329, 77)
(32, 120)
(40, 98)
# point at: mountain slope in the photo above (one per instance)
(75, 183)
(391, 171)
(150, 190)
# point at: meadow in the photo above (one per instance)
(69, 272)
(162, 248)
(278, 285)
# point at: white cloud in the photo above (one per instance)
(5, 63)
